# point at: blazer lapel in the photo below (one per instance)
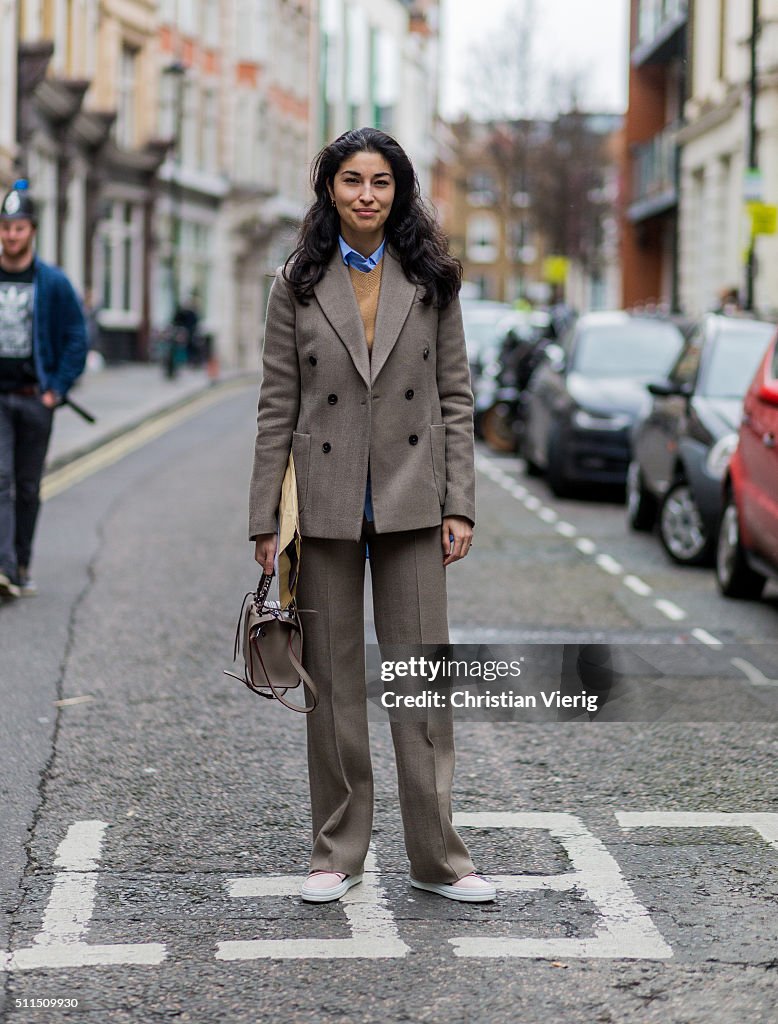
(394, 303)
(335, 295)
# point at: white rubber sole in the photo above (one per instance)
(451, 892)
(7, 588)
(334, 892)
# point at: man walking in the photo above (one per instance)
(43, 348)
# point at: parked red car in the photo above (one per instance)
(747, 550)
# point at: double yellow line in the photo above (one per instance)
(60, 480)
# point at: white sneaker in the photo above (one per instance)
(323, 886)
(7, 587)
(27, 586)
(470, 889)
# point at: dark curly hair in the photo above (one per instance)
(410, 228)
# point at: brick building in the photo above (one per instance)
(657, 91)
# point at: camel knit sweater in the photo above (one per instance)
(366, 289)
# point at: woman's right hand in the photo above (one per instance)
(265, 551)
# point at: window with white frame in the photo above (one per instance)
(189, 155)
(385, 78)
(126, 87)
(252, 25)
(357, 58)
(119, 263)
(197, 263)
(188, 11)
(209, 131)
(483, 236)
(210, 16)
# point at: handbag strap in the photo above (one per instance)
(263, 589)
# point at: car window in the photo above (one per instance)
(774, 364)
(638, 349)
(735, 355)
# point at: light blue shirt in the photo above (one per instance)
(355, 259)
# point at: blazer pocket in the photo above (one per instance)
(301, 450)
(438, 443)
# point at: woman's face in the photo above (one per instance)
(363, 190)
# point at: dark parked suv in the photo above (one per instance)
(681, 448)
(586, 393)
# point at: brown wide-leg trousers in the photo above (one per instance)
(409, 604)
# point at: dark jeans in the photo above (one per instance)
(25, 428)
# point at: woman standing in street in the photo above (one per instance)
(366, 380)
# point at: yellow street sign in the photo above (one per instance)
(555, 269)
(764, 218)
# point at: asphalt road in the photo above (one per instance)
(155, 831)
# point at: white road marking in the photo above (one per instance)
(637, 586)
(766, 824)
(669, 609)
(609, 565)
(60, 943)
(374, 934)
(586, 546)
(706, 638)
(566, 529)
(604, 561)
(624, 930)
(752, 673)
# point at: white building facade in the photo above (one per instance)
(378, 64)
(714, 221)
(235, 96)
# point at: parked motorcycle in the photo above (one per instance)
(499, 392)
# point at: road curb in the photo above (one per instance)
(239, 380)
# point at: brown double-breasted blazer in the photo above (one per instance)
(406, 412)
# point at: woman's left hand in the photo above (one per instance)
(462, 532)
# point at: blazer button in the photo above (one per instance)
(409, 394)
(426, 353)
(313, 360)
(326, 447)
(413, 439)
(332, 399)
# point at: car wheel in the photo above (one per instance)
(555, 473)
(734, 575)
(496, 431)
(641, 504)
(681, 528)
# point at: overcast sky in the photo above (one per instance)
(586, 35)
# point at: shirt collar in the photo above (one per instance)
(352, 258)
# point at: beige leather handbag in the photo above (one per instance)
(271, 639)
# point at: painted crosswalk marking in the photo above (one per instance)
(624, 929)
(765, 824)
(374, 934)
(60, 942)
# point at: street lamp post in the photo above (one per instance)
(177, 70)
(752, 142)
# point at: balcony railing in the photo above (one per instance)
(655, 176)
(659, 30)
